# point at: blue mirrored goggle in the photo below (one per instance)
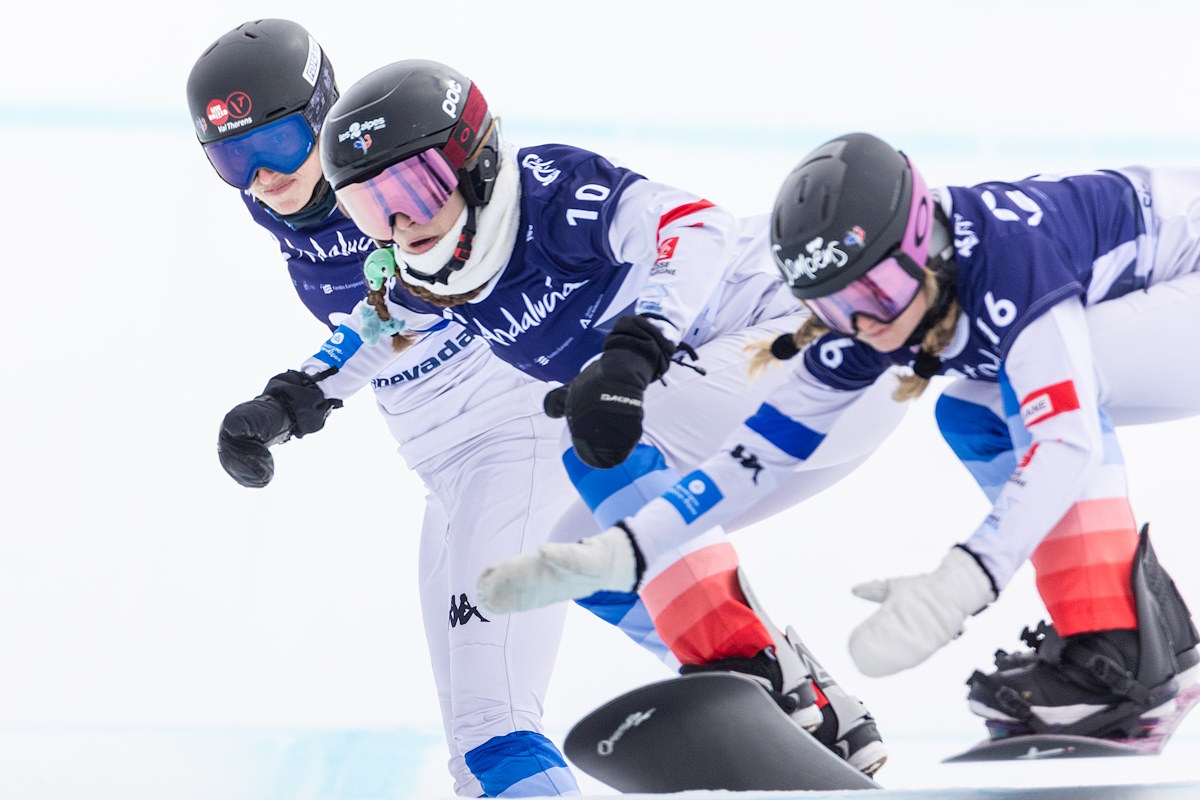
(281, 146)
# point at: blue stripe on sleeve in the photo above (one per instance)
(790, 436)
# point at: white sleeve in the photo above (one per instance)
(1050, 370)
(785, 432)
(683, 242)
(359, 350)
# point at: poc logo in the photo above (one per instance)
(453, 95)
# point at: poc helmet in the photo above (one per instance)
(429, 122)
(850, 230)
(258, 97)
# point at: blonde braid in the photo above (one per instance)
(935, 341)
(761, 357)
(440, 300)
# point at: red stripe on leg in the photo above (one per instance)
(1083, 568)
(699, 610)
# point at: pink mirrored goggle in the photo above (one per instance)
(417, 187)
(882, 294)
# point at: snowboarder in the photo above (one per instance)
(581, 272)
(470, 425)
(1067, 305)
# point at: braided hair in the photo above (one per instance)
(934, 340)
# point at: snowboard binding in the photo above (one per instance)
(1124, 680)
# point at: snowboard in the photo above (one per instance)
(1037, 747)
(712, 730)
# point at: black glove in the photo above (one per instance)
(291, 405)
(603, 404)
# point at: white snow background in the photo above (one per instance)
(165, 633)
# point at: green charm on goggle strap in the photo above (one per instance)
(378, 267)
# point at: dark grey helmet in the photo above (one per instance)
(406, 108)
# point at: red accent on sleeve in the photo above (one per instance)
(1049, 402)
(679, 212)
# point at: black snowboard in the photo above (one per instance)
(704, 731)
(1037, 747)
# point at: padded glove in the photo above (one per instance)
(603, 403)
(607, 562)
(292, 404)
(919, 614)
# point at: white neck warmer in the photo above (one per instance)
(495, 236)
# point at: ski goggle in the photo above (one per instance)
(882, 294)
(417, 187)
(281, 146)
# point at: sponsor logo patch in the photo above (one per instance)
(1049, 402)
(340, 347)
(693, 495)
(666, 250)
(461, 611)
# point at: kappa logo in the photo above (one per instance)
(747, 460)
(462, 611)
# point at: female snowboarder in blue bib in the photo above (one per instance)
(1066, 304)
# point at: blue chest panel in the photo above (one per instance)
(1020, 249)
(324, 260)
(561, 276)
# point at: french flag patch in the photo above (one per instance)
(1049, 402)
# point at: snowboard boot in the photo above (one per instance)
(847, 728)
(1179, 624)
(778, 667)
(1108, 684)
(1188, 658)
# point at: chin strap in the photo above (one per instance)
(927, 365)
(318, 208)
(462, 253)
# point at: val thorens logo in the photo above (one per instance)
(536, 311)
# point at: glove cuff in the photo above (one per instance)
(639, 560)
(302, 399)
(982, 568)
(638, 336)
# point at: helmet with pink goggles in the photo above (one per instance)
(403, 138)
(258, 97)
(850, 231)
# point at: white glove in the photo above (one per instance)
(919, 613)
(558, 571)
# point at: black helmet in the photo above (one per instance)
(849, 205)
(255, 75)
(404, 109)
